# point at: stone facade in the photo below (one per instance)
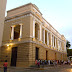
(28, 36)
(2, 18)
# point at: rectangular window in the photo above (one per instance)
(45, 36)
(42, 34)
(17, 32)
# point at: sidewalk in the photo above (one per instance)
(21, 69)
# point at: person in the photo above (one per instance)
(48, 62)
(5, 66)
(38, 63)
(43, 63)
(53, 62)
(71, 63)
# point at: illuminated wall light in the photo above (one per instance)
(7, 45)
(19, 39)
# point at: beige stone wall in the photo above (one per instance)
(2, 18)
(19, 10)
(26, 54)
(25, 28)
(27, 44)
(27, 22)
(22, 54)
(31, 26)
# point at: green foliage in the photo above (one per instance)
(69, 52)
(68, 44)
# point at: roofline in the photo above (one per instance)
(24, 6)
(19, 7)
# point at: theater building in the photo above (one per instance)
(28, 36)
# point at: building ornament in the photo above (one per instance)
(36, 43)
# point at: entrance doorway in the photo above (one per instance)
(37, 53)
(46, 55)
(14, 56)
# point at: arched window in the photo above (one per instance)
(37, 31)
(49, 38)
(42, 34)
(45, 36)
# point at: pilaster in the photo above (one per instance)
(33, 28)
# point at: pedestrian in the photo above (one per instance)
(43, 63)
(53, 62)
(5, 66)
(38, 63)
(48, 62)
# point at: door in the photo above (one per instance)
(37, 53)
(14, 56)
(46, 55)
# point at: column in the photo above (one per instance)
(55, 42)
(33, 28)
(44, 36)
(40, 32)
(51, 39)
(61, 45)
(12, 33)
(58, 44)
(65, 47)
(20, 31)
(47, 39)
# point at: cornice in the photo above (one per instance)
(19, 7)
(29, 41)
(18, 16)
(25, 6)
(29, 13)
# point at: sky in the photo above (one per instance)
(57, 12)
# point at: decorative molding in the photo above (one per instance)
(17, 22)
(29, 41)
(36, 11)
(18, 18)
(46, 22)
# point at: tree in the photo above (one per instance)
(68, 44)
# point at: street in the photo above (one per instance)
(59, 68)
